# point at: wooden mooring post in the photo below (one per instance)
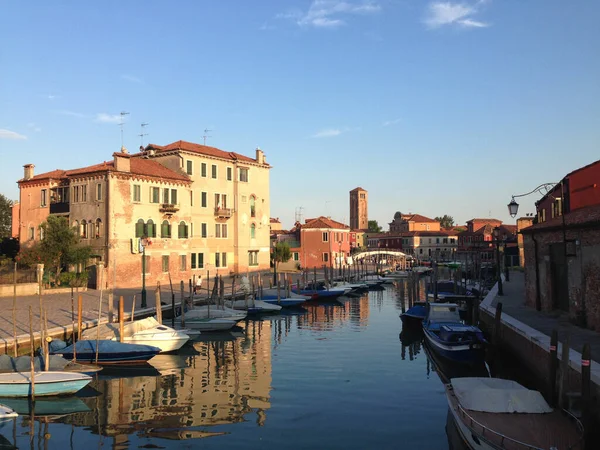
(564, 371)
(497, 323)
(586, 394)
(553, 366)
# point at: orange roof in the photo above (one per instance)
(53, 174)
(324, 222)
(273, 220)
(201, 149)
(417, 218)
(357, 189)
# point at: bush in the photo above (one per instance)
(73, 279)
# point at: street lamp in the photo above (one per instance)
(498, 271)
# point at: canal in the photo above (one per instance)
(336, 376)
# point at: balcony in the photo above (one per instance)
(168, 208)
(223, 213)
(59, 208)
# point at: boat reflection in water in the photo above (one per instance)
(329, 316)
(411, 338)
(224, 378)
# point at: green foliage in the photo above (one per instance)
(281, 252)
(445, 221)
(5, 216)
(73, 279)
(59, 249)
(374, 226)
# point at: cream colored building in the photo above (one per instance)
(198, 209)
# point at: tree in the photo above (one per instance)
(5, 216)
(374, 227)
(445, 221)
(60, 248)
(281, 253)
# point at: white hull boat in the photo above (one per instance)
(254, 306)
(206, 323)
(215, 312)
(146, 331)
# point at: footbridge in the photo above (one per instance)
(378, 253)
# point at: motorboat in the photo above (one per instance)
(293, 299)
(205, 323)
(146, 331)
(498, 414)
(108, 352)
(415, 314)
(253, 306)
(214, 312)
(450, 337)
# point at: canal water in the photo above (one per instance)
(333, 376)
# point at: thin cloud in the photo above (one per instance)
(330, 132)
(387, 123)
(108, 118)
(52, 97)
(131, 78)
(440, 14)
(7, 134)
(33, 127)
(330, 13)
(65, 112)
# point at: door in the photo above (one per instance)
(558, 272)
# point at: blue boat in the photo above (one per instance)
(284, 302)
(415, 314)
(320, 292)
(109, 352)
(449, 337)
(18, 384)
(53, 406)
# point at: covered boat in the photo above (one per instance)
(109, 352)
(494, 414)
(146, 331)
(415, 314)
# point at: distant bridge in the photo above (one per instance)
(367, 254)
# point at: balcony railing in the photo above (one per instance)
(223, 212)
(59, 208)
(168, 208)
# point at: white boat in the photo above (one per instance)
(354, 287)
(254, 306)
(6, 413)
(495, 414)
(146, 331)
(205, 323)
(215, 312)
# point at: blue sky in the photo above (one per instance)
(433, 107)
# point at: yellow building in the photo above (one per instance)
(198, 210)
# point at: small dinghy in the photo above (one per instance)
(18, 384)
(109, 352)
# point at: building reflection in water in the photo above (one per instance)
(225, 379)
(332, 315)
(411, 338)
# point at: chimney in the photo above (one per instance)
(28, 172)
(122, 162)
(124, 150)
(260, 156)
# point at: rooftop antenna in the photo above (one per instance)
(123, 114)
(206, 135)
(142, 134)
(299, 214)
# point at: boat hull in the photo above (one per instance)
(207, 324)
(170, 344)
(45, 384)
(470, 353)
(285, 302)
(469, 436)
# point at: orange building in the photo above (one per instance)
(412, 222)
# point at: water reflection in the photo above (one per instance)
(328, 316)
(222, 379)
(411, 338)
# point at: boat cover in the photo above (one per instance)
(495, 395)
(443, 312)
(105, 346)
(110, 330)
(23, 363)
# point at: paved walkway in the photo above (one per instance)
(513, 304)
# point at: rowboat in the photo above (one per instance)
(146, 331)
(495, 414)
(18, 384)
(109, 352)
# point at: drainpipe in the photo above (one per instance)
(538, 299)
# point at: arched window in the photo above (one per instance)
(150, 228)
(76, 226)
(139, 228)
(98, 228)
(83, 232)
(42, 233)
(165, 229)
(182, 230)
(252, 231)
(91, 229)
(252, 206)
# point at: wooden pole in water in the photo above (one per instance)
(553, 365)
(564, 371)
(172, 302)
(32, 345)
(14, 311)
(41, 312)
(132, 309)
(79, 314)
(111, 307)
(46, 349)
(497, 323)
(586, 394)
(222, 290)
(182, 288)
(98, 323)
(158, 304)
(121, 317)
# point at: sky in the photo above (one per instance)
(433, 107)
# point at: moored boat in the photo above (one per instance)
(109, 352)
(205, 323)
(18, 384)
(214, 312)
(449, 337)
(498, 414)
(253, 306)
(415, 314)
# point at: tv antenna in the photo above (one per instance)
(299, 214)
(142, 134)
(206, 131)
(121, 123)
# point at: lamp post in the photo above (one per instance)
(498, 269)
(545, 189)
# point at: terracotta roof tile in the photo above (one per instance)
(53, 174)
(358, 189)
(418, 218)
(582, 216)
(324, 222)
(273, 220)
(201, 149)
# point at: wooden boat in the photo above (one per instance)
(449, 337)
(497, 414)
(18, 384)
(146, 331)
(109, 352)
(6, 413)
